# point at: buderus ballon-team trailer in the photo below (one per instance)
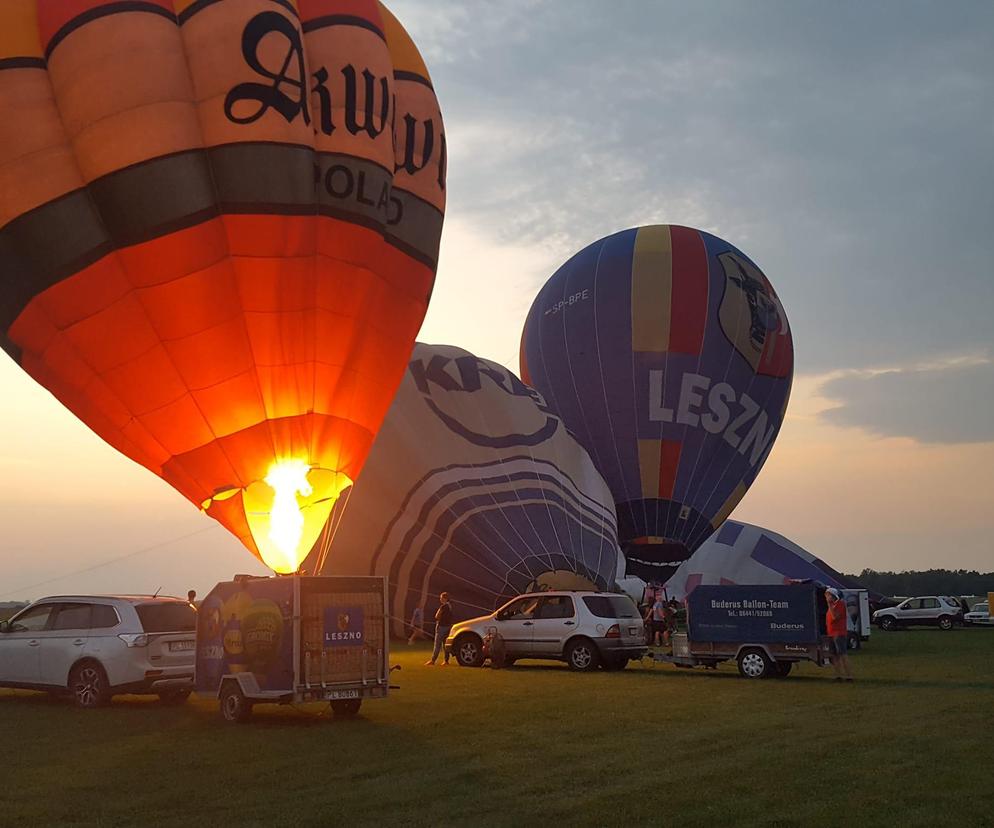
(293, 639)
(766, 629)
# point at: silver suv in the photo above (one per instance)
(584, 629)
(929, 610)
(96, 646)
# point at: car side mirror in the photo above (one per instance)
(4, 626)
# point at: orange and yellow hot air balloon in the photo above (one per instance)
(219, 227)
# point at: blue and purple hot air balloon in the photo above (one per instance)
(668, 355)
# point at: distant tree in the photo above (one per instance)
(928, 582)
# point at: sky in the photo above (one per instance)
(845, 147)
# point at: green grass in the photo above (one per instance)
(910, 743)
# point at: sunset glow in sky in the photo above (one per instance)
(844, 147)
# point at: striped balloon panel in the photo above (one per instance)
(219, 225)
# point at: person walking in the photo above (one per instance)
(656, 616)
(417, 623)
(837, 627)
(443, 624)
(191, 598)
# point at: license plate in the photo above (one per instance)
(343, 694)
(181, 646)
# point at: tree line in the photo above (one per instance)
(928, 582)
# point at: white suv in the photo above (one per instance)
(929, 610)
(584, 629)
(96, 646)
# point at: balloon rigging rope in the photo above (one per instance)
(124, 557)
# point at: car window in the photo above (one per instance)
(930, 603)
(912, 603)
(522, 609)
(73, 617)
(174, 616)
(33, 619)
(611, 606)
(104, 616)
(556, 606)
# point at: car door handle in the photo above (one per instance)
(568, 623)
(34, 643)
(527, 624)
(79, 642)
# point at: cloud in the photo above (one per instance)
(845, 148)
(942, 402)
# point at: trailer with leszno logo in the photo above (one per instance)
(766, 629)
(293, 639)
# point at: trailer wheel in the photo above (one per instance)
(781, 669)
(754, 664)
(346, 708)
(853, 642)
(234, 706)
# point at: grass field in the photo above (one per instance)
(910, 743)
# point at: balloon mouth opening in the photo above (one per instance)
(285, 511)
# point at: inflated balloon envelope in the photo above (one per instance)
(742, 553)
(667, 353)
(475, 488)
(219, 227)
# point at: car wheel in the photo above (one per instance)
(88, 685)
(582, 655)
(781, 669)
(469, 650)
(346, 708)
(853, 642)
(887, 623)
(234, 706)
(945, 622)
(174, 698)
(754, 664)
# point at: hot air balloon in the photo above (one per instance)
(474, 488)
(219, 227)
(668, 355)
(742, 553)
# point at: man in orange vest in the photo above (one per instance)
(837, 627)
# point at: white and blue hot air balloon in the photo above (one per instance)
(742, 553)
(475, 488)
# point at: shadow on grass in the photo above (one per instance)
(638, 670)
(204, 710)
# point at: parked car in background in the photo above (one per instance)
(928, 610)
(979, 615)
(94, 647)
(585, 629)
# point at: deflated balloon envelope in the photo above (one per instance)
(742, 553)
(219, 225)
(474, 488)
(668, 355)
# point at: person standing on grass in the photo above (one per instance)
(837, 627)
(443, 624)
